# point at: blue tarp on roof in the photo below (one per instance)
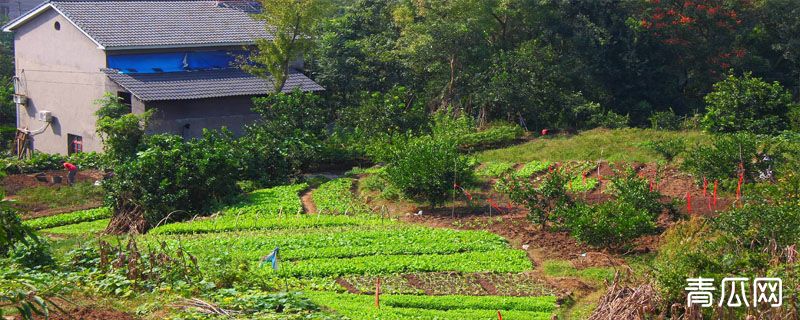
(173, 61)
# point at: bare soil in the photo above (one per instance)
(16, 182)
(86, 313)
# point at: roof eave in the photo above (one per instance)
(173, 46)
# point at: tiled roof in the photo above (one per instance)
(204, 84)
(118, 24)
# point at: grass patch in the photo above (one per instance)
(560, 268)
(597, 144)
(79, 194)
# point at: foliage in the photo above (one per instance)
(578, 184)
(35, 254)
(495, 169)
(122, 132)
(495, 135)
(667, 148)
(665, 120)
(426, 168)
(203, 172)
(39, 162)
(541, 200)
(12, 231)
(294, 27)
(336, 197)
(291, 125)
(533, 167)
(68, 218)
(607, 224)
(748, 104)
(26, 295)
(628, 187)
(722, 159)
(376, 114)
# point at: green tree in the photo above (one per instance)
(294, 25)
(446, 42)
(355, 53)
(122, 132)
(781, 19)
(293, 124)
(747, 103)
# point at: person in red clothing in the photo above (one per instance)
(72, 171)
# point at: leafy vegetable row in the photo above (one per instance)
(359, 307)
(336, 197)
(68, 218)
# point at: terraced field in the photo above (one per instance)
(426, 271)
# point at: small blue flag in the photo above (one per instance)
(272, 257)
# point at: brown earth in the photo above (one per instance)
(86, 313)
(12, 184)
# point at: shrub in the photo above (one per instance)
(122, 132)
(425, 168)
(630, 188)
(667, 148)
(721, 160)
(609, 119)
(607, 224)
(33, 255)
(761, 226)
(749, 104)
(541, 200)
(202, 172)
(396, 111)
(665, 120)
(12, 231)
(291, 123)
(495, 135)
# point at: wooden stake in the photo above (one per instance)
(715, 193)
(689, 202)
(705, 186)
(499, 316)
(378, 293)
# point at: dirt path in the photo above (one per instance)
(308, 204)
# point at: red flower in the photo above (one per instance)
(685, 20)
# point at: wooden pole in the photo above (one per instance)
(378, 293)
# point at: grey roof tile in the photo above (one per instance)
(204, 84)
(164, 23)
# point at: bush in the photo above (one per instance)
(610, 223)
(12, 231)
(721, 160)
(122, 132)
(425, 168)
(749, 104)
(667, 148)
(495, 135)
(34, 254)
(202, 173)
(630, 188)
(541, 200)
(665, 120)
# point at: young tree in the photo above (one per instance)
(294, 26)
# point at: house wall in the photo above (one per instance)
(188, 118)
(59, 71)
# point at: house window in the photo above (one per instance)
(74, 144)
(57, 25)
(126, 99)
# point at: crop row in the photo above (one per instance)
(495, 169)
(83, 228)
(505, 260)
(272, 201)
(358, 307)
(533, 167)
(326, 243)
(579, 184)
(227, 223)
(68, 218)
(336, 197)
(273, 208)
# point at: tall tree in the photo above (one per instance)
(294, 25)
(782, 22)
